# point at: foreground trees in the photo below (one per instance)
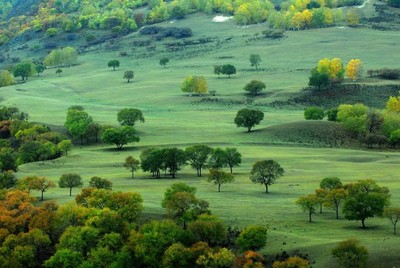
(349, 253)
(266, 172)
(248, 118)
(120, 136)
(77, 122)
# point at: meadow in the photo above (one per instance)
(174, 119)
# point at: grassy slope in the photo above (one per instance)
(172, 119)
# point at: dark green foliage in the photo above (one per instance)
(113, 63)
(161, 32)
(254, 87)
(318, 80)
(24, 70)
(274, 34)
(209, 229)
(394, 3)
(129, 116)
(228, 69)
(266, 172)
(331, 114)
(7, 180)
(99, 183)
(40, 68)
(8, 159)
(119, 136)
(253, 237)
(70, 180)
(233, 157)
(255, 60)
(248, 118)
(330, 183)
(33, 151)
(164, 61)
(77, 122)
(349, 253)
(129, 75)
(197, 156)
(217, 159)
(314, 113)
(168, 159)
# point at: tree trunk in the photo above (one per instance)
(132, 173)
(266, 188)
(230, 168)
(70, 191)
(248, 129)
(363, 224)
(394, 229)
(219, 187)
(320, 208)
(41, 199)
(337, 213)
(309, 215)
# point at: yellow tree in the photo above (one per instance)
(393, 104)
(307, 17)
(352, 18)
(297, 21)
(336, 69)
(354, 69)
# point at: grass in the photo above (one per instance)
(173, 119)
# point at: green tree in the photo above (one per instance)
(164, 61)
(217, 159)
(218, 70)
(120, 136)
(176, 256)
(129, 116)
(77, 122)
(255, 60)
(24, 70)
(248, 118)
(132, 164)
(393, 214)
(308, 203)
(197, 156)
(70, 180)
(99, 183)
(40, 68)
(365, 199)
(175, 188)
(349, 253)
(219, 177)
(8, 159)
(331, 183)
(7, 179)
(6, 79)
(318, 80)
(194, 85)
(228, 69)
(254, 87)
(233, 158)
(113, 63)
(334, 198)
(208, 228)
(64, 146)
(59, 71)
(174, 158)
(266, 172)
(129, 75)
(394, 138)
(314, 113)
(41, 184)
(353, 117)
(253, 237)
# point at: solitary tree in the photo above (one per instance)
(132, 164)
(393, 214)
(228, 69)
(70, 180)
(254, 87)
(266, 172)
(217, 70)
(219, 177)
(99, 183)
(194, 84)
(64, 146)
(255, 60)
(113, 63)
(314, 113)
(119, 136)
(77, 122)
(248, 118)
(308, 203)
(41, 184)
(129, 75)
(23, 69)
(40, 68)
(164, 61)
(253, 237)
(331, 183)
(129, 116)
(59, 71)
(349, 253)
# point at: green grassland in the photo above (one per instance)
(174, 119)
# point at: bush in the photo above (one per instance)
(161, 32)
(391, 74)
(349, 253)
(274, 34)
(314, 113)
(394, 3)
(51, 32)
(332, 114)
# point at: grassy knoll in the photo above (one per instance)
(173, 119)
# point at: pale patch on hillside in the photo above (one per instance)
(221, 18)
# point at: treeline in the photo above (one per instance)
(122, 17)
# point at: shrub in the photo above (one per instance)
(51, 32)
(349, 253)
(394, 3)
(391, 74)
(314, 113)
(332, 114)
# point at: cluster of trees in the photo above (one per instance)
(23, 142)
(80, 125)
(226, 69)
(385, 73)
(199, 157)
(359, 201)
(331, 71)
(67, 56)
(372, 127)
(194, 85)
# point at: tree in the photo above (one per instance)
(70, 180)
(64, 146)
(132, 164)
(208, 228)
(292, 262)
(248, 118)
(41, 184)
(40, 68)
(217, 159)
(119, 136)
(318, 80)
(266, 172)
(219, 177)
(349, 253)
(23, 69)
(308, 203)
(8, 159)
(314, 113)
(7, 179)
(114, 64)
(194, 85)
(330, 183)
(164, 61)
(354, 69)
(393, 214)
(77, 121)
(255, 60)
(233, 157)
(129, 116)
(353, 117)
(334, 198)
(253, 237)
(129, 75)
(254, 87)
(218, 70)
(197, 156)
(99, 183)
(59, 71)
(365, 199)
(228, 69)
(174, 158)
(6, 79)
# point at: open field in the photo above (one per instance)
(173, 119)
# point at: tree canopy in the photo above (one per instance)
(129, 116)
(248, 118)
(266, 172)
(119, 136)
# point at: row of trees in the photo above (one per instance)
(331, 71)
